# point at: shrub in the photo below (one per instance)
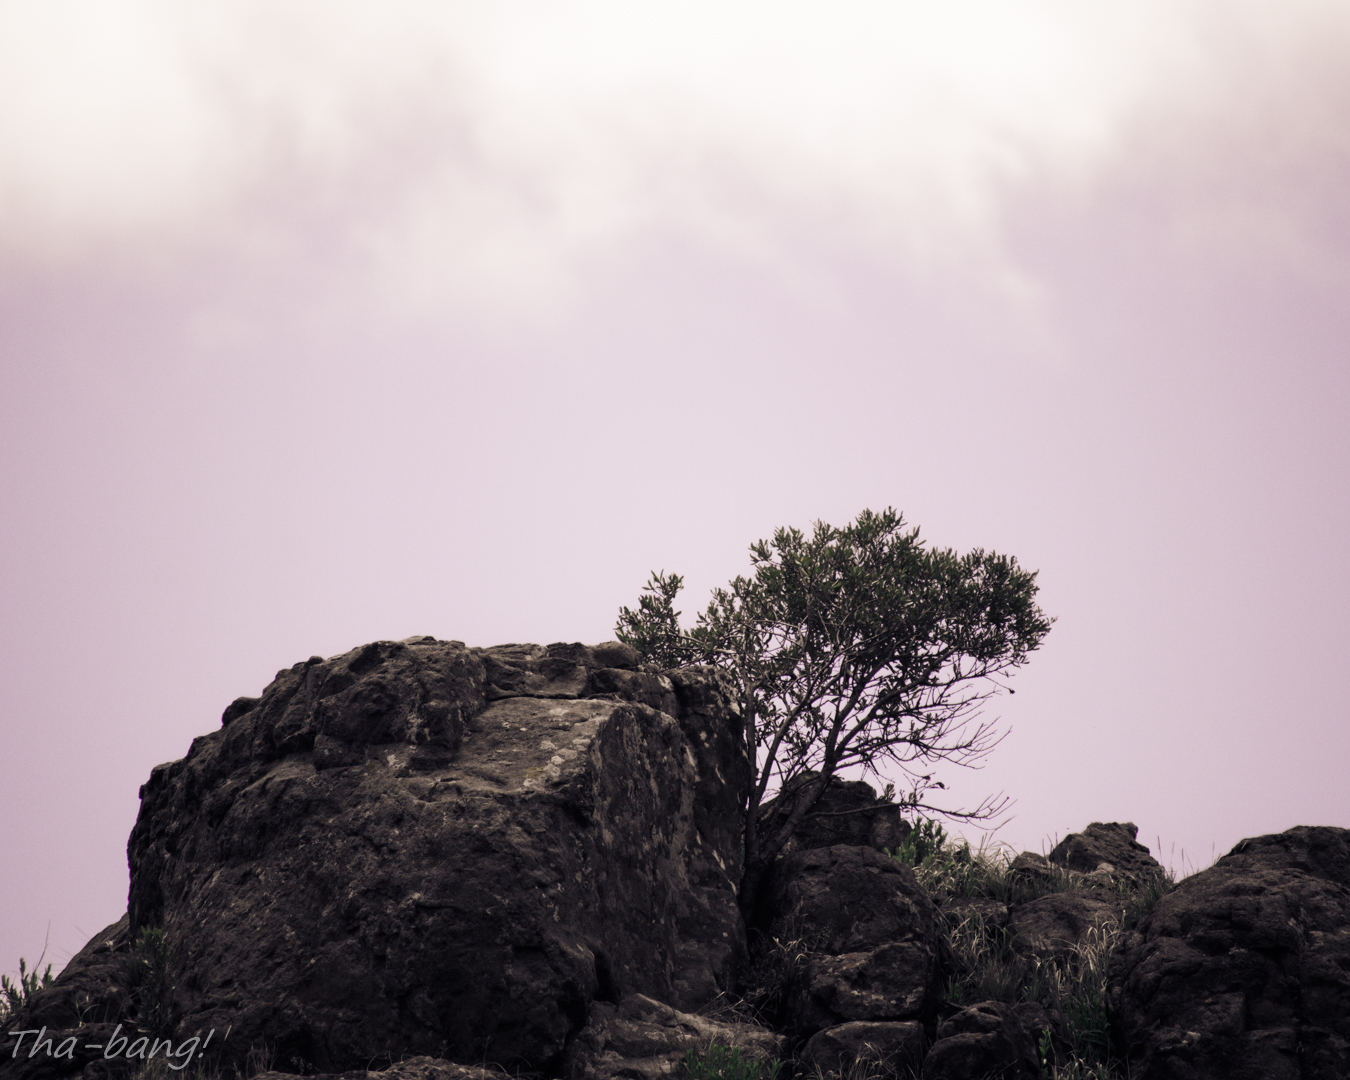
(149, 981)
(14, 996)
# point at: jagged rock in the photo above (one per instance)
(414, 1068)
(848, 812)
(85, 1001)
(1055, 924)
(422, 848)
(642, 1039)
(1243, 970)
(848, 899)
(1110, 848)
(894, 982)
(896, 1047)
(1033, 866)
(991, 914)
(987, 1040)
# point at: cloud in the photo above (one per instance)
(455, 153)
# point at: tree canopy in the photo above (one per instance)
(852, 648)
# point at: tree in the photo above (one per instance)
(854, 648)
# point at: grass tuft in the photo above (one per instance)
(721, 1062)
(984, 966)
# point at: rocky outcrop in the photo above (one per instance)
(988, 1040)
(870, 929)
(846, 899)
(1243, 970)
(463, 861)
(642, 1039)
(848, 812)
(1108, 849)
(422, 848)
(890, 1048)
(1053, 926)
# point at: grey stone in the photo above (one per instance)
(896, 1047)
(848, 812)
(418, 848)
(1243, 970)
(1109, 847)
(643, 1039)
(1056, 924)
(847, 899)
(984, 1041)
(1031, 865)
(894, 982)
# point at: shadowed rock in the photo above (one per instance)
(988, 1040)
(848, 899)
(1110, 849)
(642, 1039)
(421, 848)
(893, 1048)
(1054, 925)
(1243, 970)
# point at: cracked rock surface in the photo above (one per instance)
(423, 848)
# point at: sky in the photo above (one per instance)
(323, 323)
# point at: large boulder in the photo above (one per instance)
(890, 1048)
(422, 848)
(988, 1040)
(1110, 849)
(1243, 970)
(1057, 924)
(892, 982)
(847, 899)
(848, 812)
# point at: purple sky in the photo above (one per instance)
(325, 323)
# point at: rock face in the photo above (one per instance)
(991, 1039)
(872, 928)
(848, 812)
(422, 848)
(846, 899)
(642, 1039)
(1243, 971)
(1055, 924)
(1109, 848)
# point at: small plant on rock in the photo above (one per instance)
(149, 980)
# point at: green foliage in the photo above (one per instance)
(14, 996)
(1142, 901)
(854, 647)
(654, 628)
(721, 1062)
(923, 843)
(149, 980)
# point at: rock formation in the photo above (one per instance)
(448, 861)
(1243, 970)
(421, 848)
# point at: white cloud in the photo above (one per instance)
(482, 151)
